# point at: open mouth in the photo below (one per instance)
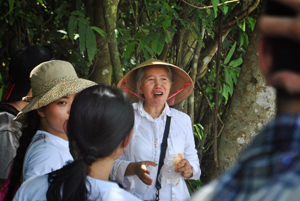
(158, 94)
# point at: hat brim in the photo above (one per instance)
(60, 90)
(179, 79)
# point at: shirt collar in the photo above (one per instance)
(139, 107)
(59, 140)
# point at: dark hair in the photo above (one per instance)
(285, 52)
(101, 118)
(20, 66)
(30, 124)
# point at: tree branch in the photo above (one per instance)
(205, 7)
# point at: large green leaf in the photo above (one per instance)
(230, 53)
(251, 23)
(241, 38)
(166, 6)
(215, 6)
(99, 31)
(158, 42)
(234, 76)
(11, 5)
(129, 49)
(146, 55)
(246, 39)
(149, 50)
(82, 36)
(242, 25)
(169, 36)
(91, 44)
(167, 22)
(72, 26)
(236, 62)
(78, 13)
(147, 39)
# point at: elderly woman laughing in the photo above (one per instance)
(152, 86)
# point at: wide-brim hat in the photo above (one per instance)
(51, 81)
(181, 81)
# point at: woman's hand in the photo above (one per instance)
(140, 169)
(185, 168)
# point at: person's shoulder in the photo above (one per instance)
(32, 188)
(35, 180)
(44, 146)
(285, 188)
(8, 110)
(179, 114)
(109, 191)
(205, 193)
(120, 194)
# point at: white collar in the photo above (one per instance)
(139, 107)
(64, 143)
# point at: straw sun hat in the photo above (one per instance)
(51, 81)
(182, 84)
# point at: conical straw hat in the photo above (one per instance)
(179, 79)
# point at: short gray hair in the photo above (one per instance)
(141, 73)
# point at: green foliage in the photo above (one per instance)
(194, 185)
(230, 70)
(78, 22)
(198, 132)
(63, 25)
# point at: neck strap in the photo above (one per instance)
(163, 149)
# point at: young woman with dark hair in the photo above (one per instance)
(99, 127)
(20, 66)
(44, 145)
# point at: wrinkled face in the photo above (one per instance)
(55, 114)
(155, 86)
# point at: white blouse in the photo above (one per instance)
(36, 188)
(45, 154)
(145, 146)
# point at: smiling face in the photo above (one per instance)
(54, 115)
(155, 86)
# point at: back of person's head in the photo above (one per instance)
(101, 118)
(20, 66)
(285, 52)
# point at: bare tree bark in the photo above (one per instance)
(110, 13)
(191, 100)
(252, 106)
(102, 69)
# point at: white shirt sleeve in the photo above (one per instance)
(190, 152)
(41, 159)
(118, 170)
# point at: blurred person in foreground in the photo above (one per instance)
(20, 66)
(269, 168)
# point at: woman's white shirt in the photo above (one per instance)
(45, 154)
(145, 146)
(36, 188)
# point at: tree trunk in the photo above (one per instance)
(101, 70)
(110, 13)
(252, 106)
